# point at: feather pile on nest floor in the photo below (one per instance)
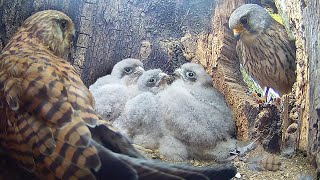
(295, 168)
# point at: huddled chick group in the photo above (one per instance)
(186, 119)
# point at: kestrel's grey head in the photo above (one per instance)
(152, 80)
(248, 20)
(192, 73)
(128, 70)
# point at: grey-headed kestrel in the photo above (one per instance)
(264, 48)
(48, 124)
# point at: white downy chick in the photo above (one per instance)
(126, 71)
(111, 92)
(140, 118)
(196, 114)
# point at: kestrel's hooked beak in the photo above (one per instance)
(237, 32)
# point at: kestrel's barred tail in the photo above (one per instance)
(47, 120)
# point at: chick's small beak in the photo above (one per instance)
(237, 32)
(163, 78)
(178, 72)
(140, 70)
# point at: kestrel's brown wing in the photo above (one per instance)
(22, 143)
(46, 114)
(51, 91)
(279, 32)
(279, 59)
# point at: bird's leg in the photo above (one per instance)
(265, 97)
(263, 101)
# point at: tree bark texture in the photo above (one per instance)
(312, 29)
(303, 18)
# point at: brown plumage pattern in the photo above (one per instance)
(264, 48)
(47, 118)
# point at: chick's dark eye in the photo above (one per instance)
(152, 80)
(244, 20)
(190, 74)
(63, 24)
(127, 70)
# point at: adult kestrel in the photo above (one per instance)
(48, 124)
(264, 48)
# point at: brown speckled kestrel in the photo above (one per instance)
(264, 48)
(47, 121)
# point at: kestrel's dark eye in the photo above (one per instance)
(244, 20)
(127, 70)
(190, 74)
(63, 24)
(152, 80)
